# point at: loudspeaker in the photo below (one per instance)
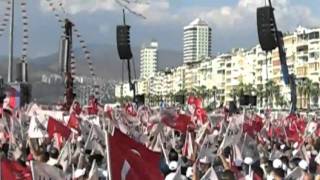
(266, 28)
(139, 99)
(123, 42)
(244, 100)
(63, 55)
(22, 72)
(247, 100)
(25, 96)
(253, 100)
(181, 99)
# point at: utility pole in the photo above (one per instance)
(10, 63)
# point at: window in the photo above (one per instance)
(314, 35)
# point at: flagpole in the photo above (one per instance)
(244, 142)
(108, 155)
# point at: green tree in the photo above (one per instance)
(315, 90)
(214, 91)
(271, 90)
(300, 89)
(307, 91)
(260, 94)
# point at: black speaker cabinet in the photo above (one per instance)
(266, 28)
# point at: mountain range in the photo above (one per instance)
(105, 62)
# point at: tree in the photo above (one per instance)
(271, 90)
(300, 87)
(214, 91)
(260, 94)
(315, 90)
(307, 91)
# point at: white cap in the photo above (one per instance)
(295, 152)
(205, 160)
(314, 152)
(173, 165)
(79, 138)
(282, 146)
(172, 176)
(277, 163)
(105, 173)
(295, 145)
(284, 167)
(215, 132)
(79, 172)
(248, 160)
(303, 164)
(189, 172)
(238, 162)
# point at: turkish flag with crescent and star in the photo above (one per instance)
(131, 160)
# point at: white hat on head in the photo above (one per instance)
(248, 160)
(295, 152)
(105, 173)
(282, 146)
(79, 172)
(277, 163)
(174, 176)
(215, 132)
(303, 164)
(314, 152)
(189, 172)
(79, 138)
(173, 165)
(205, 160)
(238, 162)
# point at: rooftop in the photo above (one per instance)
(197, 22)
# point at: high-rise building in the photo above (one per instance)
(197, 41)
(149, 60)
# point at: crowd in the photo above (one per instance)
(171, 143)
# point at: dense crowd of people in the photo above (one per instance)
(171, 143)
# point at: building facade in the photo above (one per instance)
(196, 41)
(252, 66)
(148, 60)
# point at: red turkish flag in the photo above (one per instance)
(14, 171)
(132, 160)
(55, 126)
(73, 121)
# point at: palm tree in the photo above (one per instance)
(270, 91)
(214, 91)
(300, 87)
(315, 90)
(260, 94)
(249, 89)
(307, 91)
(234, 94)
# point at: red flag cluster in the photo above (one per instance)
(253, 125)
(179, 122)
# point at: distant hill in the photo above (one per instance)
(105, 60)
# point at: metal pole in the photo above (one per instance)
(10, 67)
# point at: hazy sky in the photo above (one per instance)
(233, 21)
